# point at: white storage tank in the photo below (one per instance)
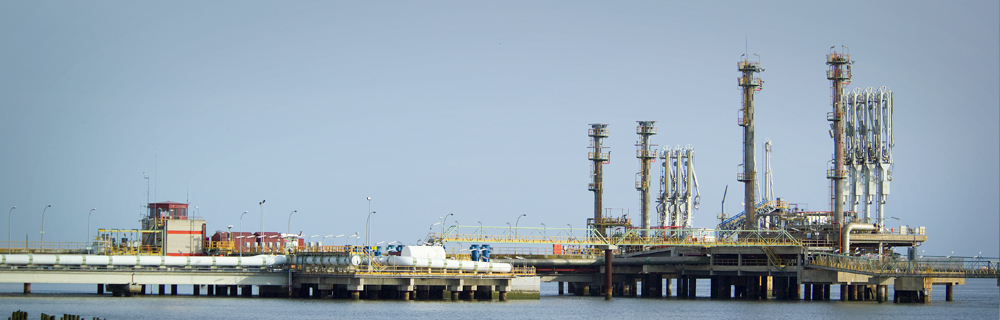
(430, 252)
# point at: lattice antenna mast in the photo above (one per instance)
(597, 133)
(840, 75)
(646, 155)
(748, 85)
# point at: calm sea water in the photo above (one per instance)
(978, 299)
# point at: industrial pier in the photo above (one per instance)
(771, 250)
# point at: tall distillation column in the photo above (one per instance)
(749, 84)
(840, 75)
(645, 155)
(597, 132)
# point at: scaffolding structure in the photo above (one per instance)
(646, 156)
(597, 156)
(840, 75)
(748, 85)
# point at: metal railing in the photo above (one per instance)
(950, 267)
(626, 237)
(396, 271)
(42, 247)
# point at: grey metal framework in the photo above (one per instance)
(679, 194)
(646, 156)
(868, 150)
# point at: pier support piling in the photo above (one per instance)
(173, 289)
(100, 288)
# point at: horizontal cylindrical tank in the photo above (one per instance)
(447, 264)
(331, 261)
(433, 252)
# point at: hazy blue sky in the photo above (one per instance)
(478, 109)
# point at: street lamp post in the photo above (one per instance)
(8, 228)
(241, 233)
(335, 239)
(368, 230)
(289, 230)
(518, 221)
(88, 229)
(480, 229)
(262, 217)
(43, 224)
(515, 230)
(355, 235)
(570, 231)
(544, 231)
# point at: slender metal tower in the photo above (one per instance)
(597, 132)
(749, 84)
(646, 156)
(840, 75)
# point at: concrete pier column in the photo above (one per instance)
(692, 287)
(246, 291)
(211, 290)
(355, 295)
(572, 288)
(852, 292)
(233, 291)
(948, 296)
(454, 295)
(560, 288)
(878, 294)
(682, 288)
(753, 290)
(100, 288)
(404, 295)
(195, 290)
(143, 291)
(173, 289)
(807, 289)
(586, 290)
(503, 296)
(826, 292)
(161, 289)
(843, 292)
(793, 288)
